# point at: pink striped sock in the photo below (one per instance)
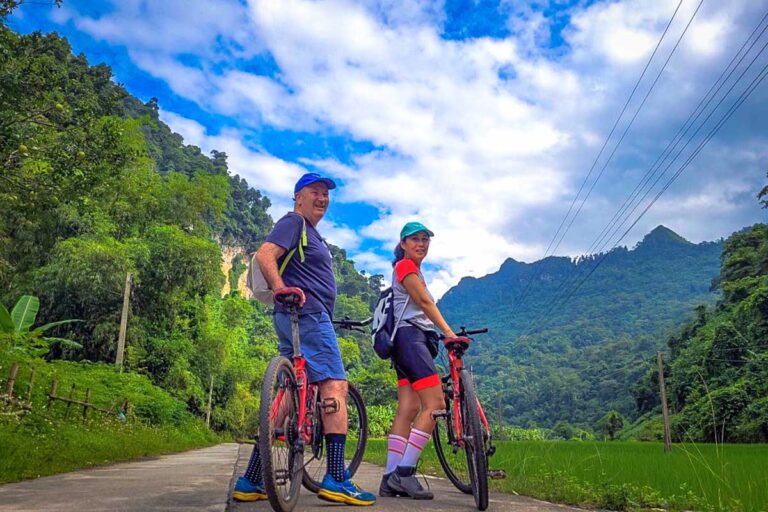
(395, 448)
(416, 443)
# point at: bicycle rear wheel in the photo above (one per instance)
(451, 457)
(280, 446)
(357, 437)
(474, 441)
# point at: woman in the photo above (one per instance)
(419, 389)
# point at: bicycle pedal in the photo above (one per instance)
(440, 413)
(497, 474)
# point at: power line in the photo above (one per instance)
(631, 122)
(706, 100)
(755, 82)
(602, 148)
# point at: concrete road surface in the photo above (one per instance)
(447, 498)
(203, 480)
(194, 480)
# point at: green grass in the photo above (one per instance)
(626, 475)
(52, 439)
(37, 446)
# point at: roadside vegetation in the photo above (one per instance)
(624, 475)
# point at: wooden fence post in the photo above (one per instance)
(87, 403)
(29, 386)
(664, 410)
(52, 395)
(11, 380)
(69, 403)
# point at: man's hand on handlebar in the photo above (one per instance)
(290, 296)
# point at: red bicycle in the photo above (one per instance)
(462, 435)
(291, 426)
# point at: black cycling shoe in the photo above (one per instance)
(385, 491)
(403, 481)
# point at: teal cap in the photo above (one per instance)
(414, 227)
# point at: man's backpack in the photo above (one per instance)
(383, 328)
(256, 280)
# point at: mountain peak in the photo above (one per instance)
(661, 236)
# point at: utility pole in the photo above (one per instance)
(208, 410)
(123, 322)
(664, 410)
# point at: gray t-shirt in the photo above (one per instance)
(413, 314)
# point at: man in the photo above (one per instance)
(314, 279)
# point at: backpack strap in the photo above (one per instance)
(407, 299)
(300, 247)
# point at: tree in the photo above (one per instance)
(611, 424)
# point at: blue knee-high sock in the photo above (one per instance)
(253, 473)
(335, 443)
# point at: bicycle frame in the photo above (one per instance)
(305, 390)
(456, 364)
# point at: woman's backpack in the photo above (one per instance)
(384, 327)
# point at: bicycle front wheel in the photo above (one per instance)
(357, 437)
(474, 441)
(451, 457)
(280, 445)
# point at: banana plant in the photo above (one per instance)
(21, 319)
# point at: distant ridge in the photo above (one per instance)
(574, 360)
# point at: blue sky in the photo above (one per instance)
(480, 118)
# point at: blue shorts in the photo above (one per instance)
(318, 344)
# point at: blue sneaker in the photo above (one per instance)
(247, 491)
(344, 492)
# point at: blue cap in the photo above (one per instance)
(310, 178)
(413, 228)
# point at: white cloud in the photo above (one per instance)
(474, 137)
(216, 29)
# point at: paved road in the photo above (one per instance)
(202, 480)
(194, 480)
(447, 498)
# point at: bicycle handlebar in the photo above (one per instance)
(465, 332)
(352, 325)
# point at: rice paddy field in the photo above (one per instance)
(625, 475)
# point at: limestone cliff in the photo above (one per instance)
(228, 256)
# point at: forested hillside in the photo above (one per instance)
(547, 360)
(95, 186)
(717, 376)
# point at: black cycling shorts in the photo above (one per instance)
(412, 360)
